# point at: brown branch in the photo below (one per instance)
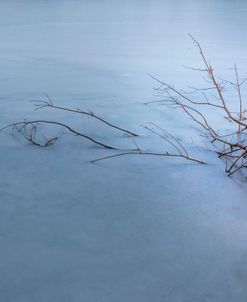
(168, 87)
(216, 84)
(39, 104)
(232, 146)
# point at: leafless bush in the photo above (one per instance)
(230, 143)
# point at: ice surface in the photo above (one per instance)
(135, 229)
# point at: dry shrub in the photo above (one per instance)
(230, 142)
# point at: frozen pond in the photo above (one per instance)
(107, 47)
(131, 229)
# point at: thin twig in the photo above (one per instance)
(40, 104)
(150, 153)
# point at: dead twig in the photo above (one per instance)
(40, 104)
(167, 154)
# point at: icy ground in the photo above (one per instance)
(129, 229)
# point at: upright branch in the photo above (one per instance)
(233, 146)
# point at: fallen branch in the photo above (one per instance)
(40, 104)
(28, 129)
(21, 127)
(173, 141)
(150, 153)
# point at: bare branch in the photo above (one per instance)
(40, 104)
(150, 153)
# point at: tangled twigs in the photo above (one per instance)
(30, 134)
(28, 130)
(232, 147)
